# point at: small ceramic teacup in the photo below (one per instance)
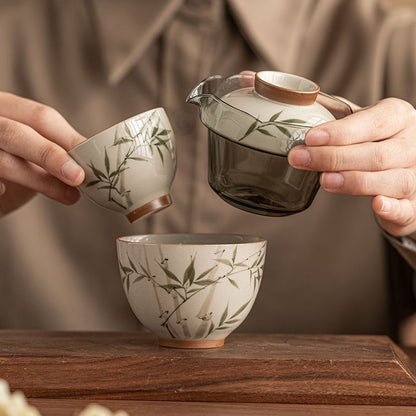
(191, 290)
(129, 167)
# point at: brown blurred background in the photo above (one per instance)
(411, 3)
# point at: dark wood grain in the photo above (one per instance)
(249, 368)
(69, 407)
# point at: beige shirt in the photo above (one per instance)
(100, 61)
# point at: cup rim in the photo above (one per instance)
(244, 239)
(95, 136)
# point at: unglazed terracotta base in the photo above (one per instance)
(151, 207)
(175, 343)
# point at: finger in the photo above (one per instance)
(24, 173)
(396, 216)
(44, 119)
(395, 183)
(370, 124)
(387, 154)
(248, 79)
(22, 141)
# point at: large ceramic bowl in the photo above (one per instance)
(129, 167)
(191, 290)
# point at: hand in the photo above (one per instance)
(371, 152)
(34, 140)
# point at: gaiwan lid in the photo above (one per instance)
(284, 107)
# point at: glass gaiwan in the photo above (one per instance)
(252, 124)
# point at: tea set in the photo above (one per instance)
(193, 290)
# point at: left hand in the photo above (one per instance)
(371, 152)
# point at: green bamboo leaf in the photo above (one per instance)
(164, 132)
(128, 284)
(265, 132)
(92, 183)
(146, 272)
(106, 187)
(126, 269)
(106, 161)
(240, 309)
(160, 154)
(98, 174)
(163, 143)
(274, 117)
(169, 287)
(206, 282)
(117, 203)
(138, 278)
(211, 328)
(293, 120)
(154, 131)
(203, 274)
(232, 321)
(222, 327)
(193, 291)
(224, 261)
(117, 174)
(169, 273)
(139, 159)
(189, 274)
(132, 264)
(284, 131)
(241, 264)
(249, 130)
(114, 186)
(121, 141)
(260, 259)
(234, 254)
(233, 282)
(223, 316)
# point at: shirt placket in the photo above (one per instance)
(187, 53)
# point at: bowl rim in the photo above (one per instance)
(254, 239)
(96, 135)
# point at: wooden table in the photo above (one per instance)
(61, 372)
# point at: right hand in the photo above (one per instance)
(34, 140)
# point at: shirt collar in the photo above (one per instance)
(274, 29)
(126, 29)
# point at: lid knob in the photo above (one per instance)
(286, 88)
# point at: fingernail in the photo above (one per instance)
(317, 137)
(2, 188)
(71, 195)
(332, 180)
(71, 171)
(386, 205)
(299, 158)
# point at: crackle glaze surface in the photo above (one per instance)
(199, 290)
